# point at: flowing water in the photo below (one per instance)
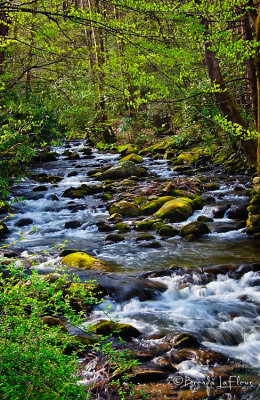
(223, 313)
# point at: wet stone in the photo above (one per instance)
(24, 222)
(72, 224)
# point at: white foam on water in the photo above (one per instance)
(214, 308)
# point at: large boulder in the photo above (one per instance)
(194, 230)
(124, 208)
(122, 170)
(85, 261)
(176, 210)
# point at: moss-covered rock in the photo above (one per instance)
(113, 237)
(149, 208)
(147, 224)
(167, 231)
(139, 200)
(132, 149)
(85, 261)
(204, 218)
(122, 170)
(133, 157)
(123, 227)
(151, 245)
(196, 229)
(125, 331)
(49, 179)
(116, 217)
(198, 202)
(106, 196)
(66, 252)
(188, 158)
(124, 208)
(211, 186)
(176, 210)
(82, 191)
(73, 156)
(145, 236)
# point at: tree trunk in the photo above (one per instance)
(225, 101)
(257, 67)
(4, 30)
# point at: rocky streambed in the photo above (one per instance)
(172, 257)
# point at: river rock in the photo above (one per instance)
(44, 156)
(41, 188)
(5, 208)
(86, 150)
(147, 372)
(185, 340)
(167, 231)
(82, 191)
(3, 229)
(211, 186)
(105, 227)
(146, 224)
(204, 218)
(176, 210)
(121, 227)
(24, 222)
(151, 245)
(124, 169)
(125, 288)
(133, 157)
(194, 230)
(49, 179)
(72, 224)
(72, 156)
(206, 357)
(85, 261)
(145, 236)
(113, 237)
(238, 212)
(149, 208)
(72, 173)
(124, 208)
(125, 331)
(219, 212)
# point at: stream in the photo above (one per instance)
(222, 313)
